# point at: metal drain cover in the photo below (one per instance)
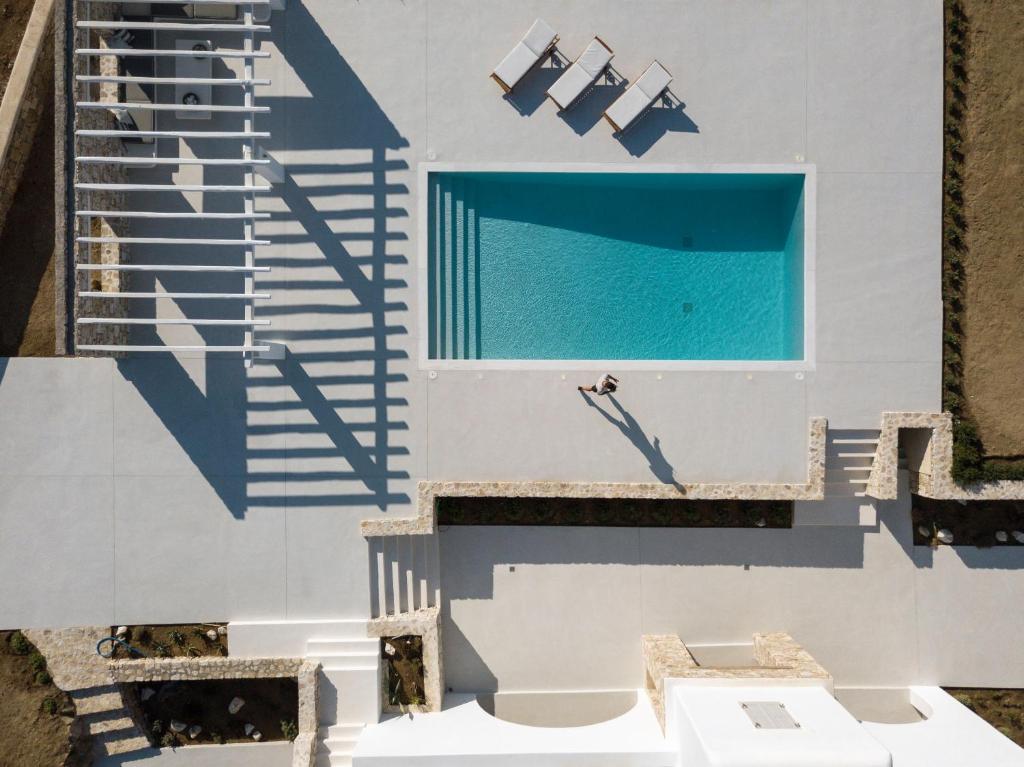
(769, 715)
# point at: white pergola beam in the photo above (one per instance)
(166, 321)
(170, 214)
(110, 187)
(223, 53)
(172, 241)
(168, 268)
(152, 107)
(172, 26)
(171, 134)
(121, 160)
(131, 348)
(170, 80)
(175, 296)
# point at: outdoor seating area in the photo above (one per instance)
(540, 43)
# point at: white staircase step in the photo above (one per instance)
(340, 731)
(350, 695)
(334, 646)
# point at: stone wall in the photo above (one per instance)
(932, 476)
(24, 101)
(107, 253)
(778, 657)
(425, 623)
(424, 523)
(305, 671)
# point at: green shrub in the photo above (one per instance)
(36, 662)
(49, 706)
(289, 730)
(157, 728)
(20, 645)
(179, 638)
(43, 677)
(169, 740)
(161, 650)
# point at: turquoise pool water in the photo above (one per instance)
(615, 266)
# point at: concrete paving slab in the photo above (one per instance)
(57, 534)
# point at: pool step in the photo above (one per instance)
(454, 283)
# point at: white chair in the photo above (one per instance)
(581, 74)
(640, 95)
(536, 44)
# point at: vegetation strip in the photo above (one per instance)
(970, 463)
(614, 512)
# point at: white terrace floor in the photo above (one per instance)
(161, 489)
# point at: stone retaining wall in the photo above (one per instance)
(425, 522)
(932, 476)
(194, 669)
(107, 253)
(24, 100)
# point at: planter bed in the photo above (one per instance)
(614, 512)
(271, 706)
(171, 641)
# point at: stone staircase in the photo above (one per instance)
(76, 668)
(453, 279)
(350, 691)
(103, 716)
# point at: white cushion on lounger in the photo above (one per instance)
(539, 38)
(639, 95)
(525, 54)
(594, 59)
(654, 81)
(515, 65)
(580, 75)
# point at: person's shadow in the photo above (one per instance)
(632, 431)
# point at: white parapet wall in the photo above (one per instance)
(949, 736)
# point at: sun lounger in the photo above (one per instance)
(531, 50)
(640, 95)
(581, 74)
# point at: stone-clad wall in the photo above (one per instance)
(193, 669)
(425, 623)
(934, 477)
(24, 101)
(424, 523)
(108, 253)
(778, 657)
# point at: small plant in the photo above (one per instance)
(157, 728)
(161, 650)
(49, 706)
(20, 645)
(289, 730)
(193, 652)
(179, 638)
(169, 740)
(36, 662)
(43, 677)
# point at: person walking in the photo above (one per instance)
(606, 384)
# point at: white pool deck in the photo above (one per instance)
(160, 489)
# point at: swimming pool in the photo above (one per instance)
(638, 265)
